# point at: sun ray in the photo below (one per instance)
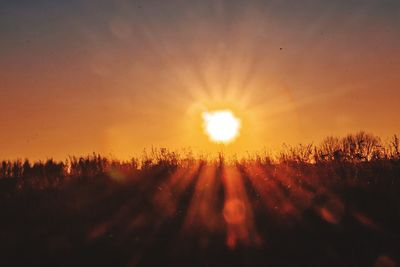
(237, 212)
(202, 214)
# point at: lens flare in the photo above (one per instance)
(221, 126)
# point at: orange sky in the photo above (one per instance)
(84, 76)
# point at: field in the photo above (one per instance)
(335, 204)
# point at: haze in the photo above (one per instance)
(78, 77)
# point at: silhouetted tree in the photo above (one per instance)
(26, 172)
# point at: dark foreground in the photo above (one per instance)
(250, 214)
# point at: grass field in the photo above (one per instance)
(337, 204)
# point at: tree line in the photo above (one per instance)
(356, 148)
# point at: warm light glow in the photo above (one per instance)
(221, 126)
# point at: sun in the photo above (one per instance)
(221, 126)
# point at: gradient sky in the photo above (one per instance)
(119, 76)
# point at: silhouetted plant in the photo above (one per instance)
(352, 156)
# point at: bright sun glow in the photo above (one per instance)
(221, 126)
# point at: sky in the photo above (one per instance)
(115, 77)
